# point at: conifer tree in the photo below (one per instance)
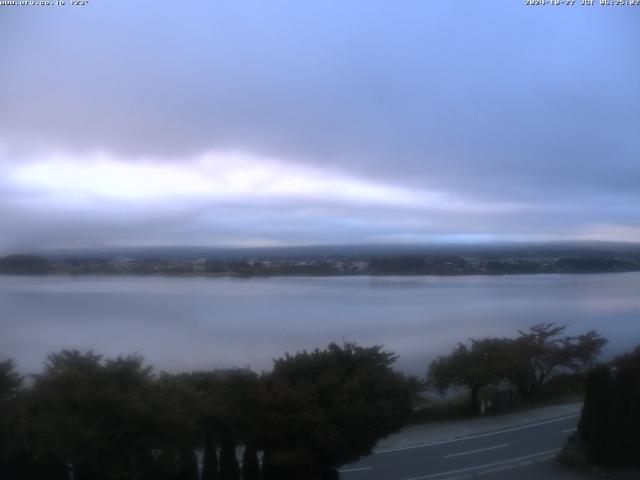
(229, 468)
(250, 464)
(611, 413)
(594, 423)
(268, 470)
(210, 459)
(624, 445)
(165, 465)
(187, 464)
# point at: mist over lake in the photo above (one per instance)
(192, 323)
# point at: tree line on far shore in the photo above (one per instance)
(315, 265)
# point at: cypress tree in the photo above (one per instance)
(595, 424)
(229, 468)
(187, 464)
(625, 441)
(585, 424)
(268, 472)
(250, 464)
(611, 413)
(166, 467)
(210, 459)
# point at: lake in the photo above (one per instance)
(191, 323)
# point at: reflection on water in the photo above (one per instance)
(187, 323)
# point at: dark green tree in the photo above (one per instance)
(324, 408)
(166, 465)
(229, 468)
(625, 418)
(611, 413)
(187, 464)
(544, 350)
(10, 381)
(175, 408)
(250, 464)
(229, 401)
(230, 405)
(97, 414)
(478, 365)
(10, 412)
(210, 458)
(595, 422)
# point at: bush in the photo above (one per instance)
(609, 425)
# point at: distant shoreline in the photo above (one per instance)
(323, 266)
(296, 275)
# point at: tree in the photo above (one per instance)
(187, 464)
(175, 408)
(595, 422)
(10, 384)
(626, 409)
(230, 401)
(210, 458)
(165, 465)
(472, 367)
(611, 413)
(230, 405)
(10, 381)
(324, 408)
(250, 464)
(229, 468)
(527, 361)
(95, 413)
(542, 350)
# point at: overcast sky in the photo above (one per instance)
(278, 123)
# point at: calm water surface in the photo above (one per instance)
(188, 323)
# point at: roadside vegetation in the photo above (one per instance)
(116, 418)
(103, 418)
(493, 374)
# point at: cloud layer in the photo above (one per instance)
(240, 123)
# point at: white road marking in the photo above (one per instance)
(481, 435)
(359, 469)
(501, 468)
(476, 451)
(569, 430)
(545, 458)
(478, 467)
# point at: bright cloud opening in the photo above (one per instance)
(220, 177)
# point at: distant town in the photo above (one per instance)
(308, 262)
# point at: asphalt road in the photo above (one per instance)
(489, 454)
